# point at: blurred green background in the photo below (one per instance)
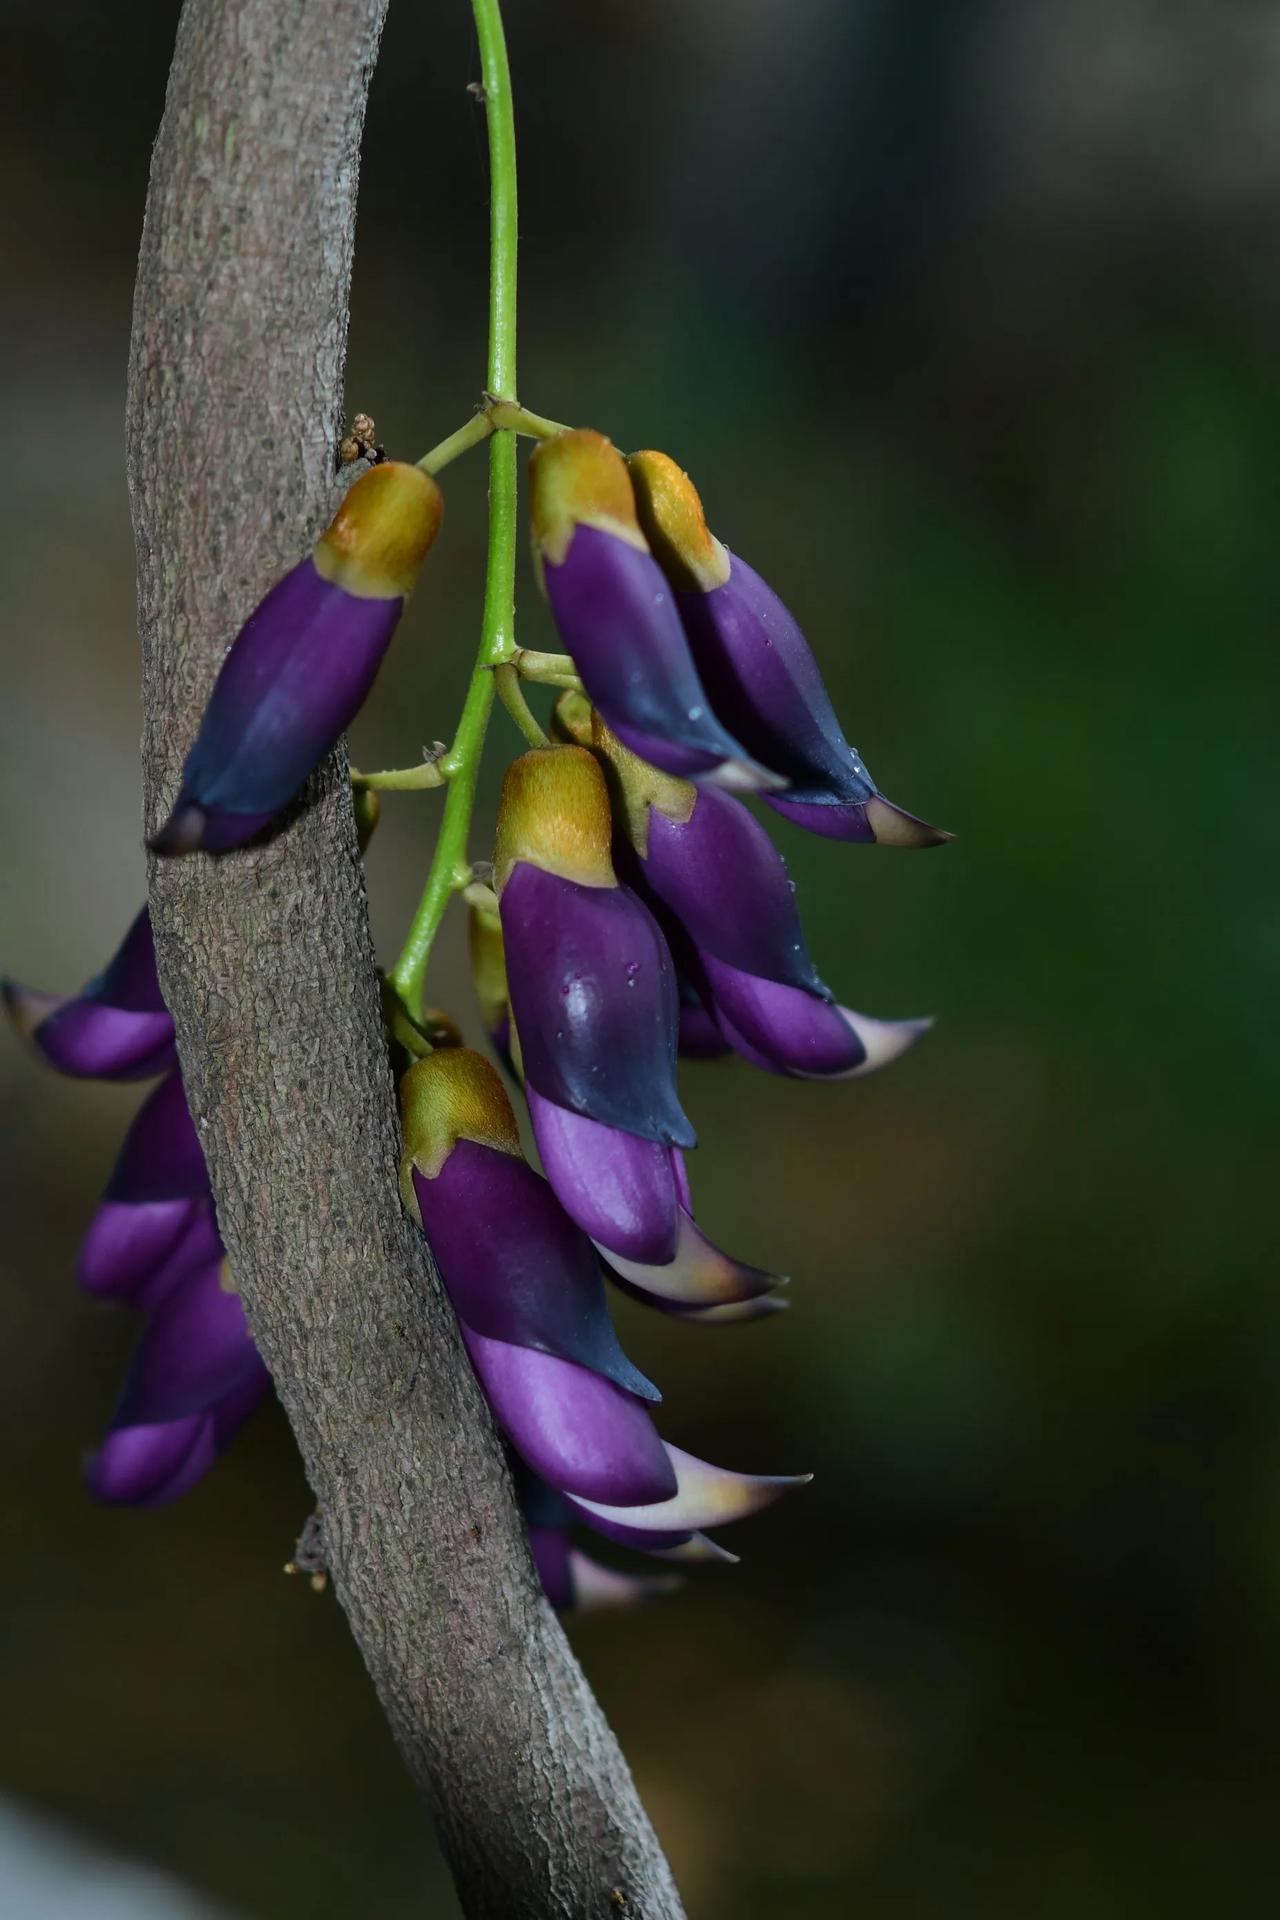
(963, 317)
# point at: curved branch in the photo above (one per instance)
(265, 956)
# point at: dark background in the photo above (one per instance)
(963, 316)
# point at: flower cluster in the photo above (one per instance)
(635, 911)
(153, 1243)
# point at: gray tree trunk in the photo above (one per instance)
(265, 957)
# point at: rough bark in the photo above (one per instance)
(265, 958)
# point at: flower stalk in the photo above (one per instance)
(450, 869)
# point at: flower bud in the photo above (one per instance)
(759, 671)
(593, 995)
(616, 616)
(515, 1267)
(302, 665)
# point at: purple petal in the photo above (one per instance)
(705, 1496)
(127, 1244)
(762, 677)
(860, 821)
(297, 673)
(144, 1466)
(574, 1428)
(700, 1037)
(195, 1351)
(593, 998)
(92, 1042)
(147, 1466)
(161, 1158)
(619, 1189)
(785, 1031)
(514, 1265)
(129, 980)
(199, 1246)
(699, 1274)
(726, 882)
(115, 1028)
(617, 617)
(234, 1409)
(794, 1030)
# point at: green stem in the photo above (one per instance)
(478, 428)
(419, 779)
(511, 694)
(450, 868)
(534, 426)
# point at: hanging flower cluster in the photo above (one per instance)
(153, 1243)
(635, 911)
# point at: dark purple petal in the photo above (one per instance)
(762, 677)
(235, 1407)
(833, 820)
(115, 1028)
(126, 1244)
(700, 1037)
(726, 882)
(699, 1275)
(860, 821)
(196, 1349)
(574, 1428)
(144, 1466)
(514, 1265)
(619, 1189)
(785, 1031)
(147, 1466)
(616, 615)
(92, 1042)
(297, 673)
(161, 1157)
(794, 1030)
(705, 1496)
(199, 1246)
(129, 979)
(593, 998)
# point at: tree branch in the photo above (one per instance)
(265, 957)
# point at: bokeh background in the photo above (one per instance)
(963, 315)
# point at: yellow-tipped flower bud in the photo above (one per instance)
(670, 512)
(450, 1096)
(579, 479)
(555, 815)
(381, 532)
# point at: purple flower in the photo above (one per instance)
(705, 1496)
(302, 665)
(760, 673)
(517, 1270)
(594, 1026)
(149, 1464)
(728, 909)
(525, 1285)
(616, 615)
(116, 1028)
(593, 1005)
